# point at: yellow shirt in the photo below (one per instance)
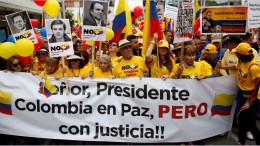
(57, 73)
(158, 73)
(245, 80)
(135, 67)
(38, 67)
(207, 68)
(115, 60)
(99, 74)
(189, 71)
(78, 72)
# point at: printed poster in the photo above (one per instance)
(184, 26)
(59, 37)
(20, 26)
(224, 20)
(95, 15)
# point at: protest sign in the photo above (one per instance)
(94, 20)
(122, 110)
(224, 20)
(59, 37)
(20, 26)
(184, 28)
(253, 13)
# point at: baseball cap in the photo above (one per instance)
(210, 48)
(216, 38)
(243, 48)
(163, 43)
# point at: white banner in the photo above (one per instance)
(253, 13)
(123, 110)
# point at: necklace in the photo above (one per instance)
(74, 73)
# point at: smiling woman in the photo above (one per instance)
(14, 64)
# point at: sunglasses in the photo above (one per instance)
(40, 54)
(16, 64)
(113, 44)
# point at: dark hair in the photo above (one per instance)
(93, 4)
(209, 58)
(81, 63)
(17, 14)
(245, 58)
(131, 37)
(58, 22)
(168, 59)
(246, 36)
(3, 64)
(166, 30)
(85, 56)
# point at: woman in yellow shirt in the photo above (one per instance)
(166, 63)
(248, 81)
(76, 67)
(190, 69)
(104, 69)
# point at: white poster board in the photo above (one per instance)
(253, 14)
(59, 37)
(95, 15)
(20, 26)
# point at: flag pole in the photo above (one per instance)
(62, 58)
(92, 56)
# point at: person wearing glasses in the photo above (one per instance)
(41, 55)
(14, 65)
(112, 53)
(58, 28)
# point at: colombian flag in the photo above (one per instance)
(167, 23)
(222, 104)
(5, 102)
(78, 20)
(122, 23)
(151, 24)
(47, 88)
(197, 9)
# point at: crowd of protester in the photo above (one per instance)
(203, 57)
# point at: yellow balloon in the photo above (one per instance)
(24, 47)
(110, 34)
(90, 42)
(7, 50)
(52, 8)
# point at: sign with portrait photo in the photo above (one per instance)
(184, 27)
(59, 37)
(222, 20)
(95, 15)
(21, 26)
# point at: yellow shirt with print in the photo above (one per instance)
(135, 67)
(158, 73)
(207, 68)
(99, 74)
(38, 67)
(189, 71)
(77, 72)
(245, 79)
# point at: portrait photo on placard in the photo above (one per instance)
(95, 13)
(19, 22)
(58, 30)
